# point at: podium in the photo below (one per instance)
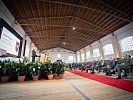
(42, 58)
(38, 58)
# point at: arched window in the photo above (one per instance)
(70, 59)
(126, 44)
(108, 49)
(88, 54)
(96, 52)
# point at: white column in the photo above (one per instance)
(91, 53)
(101, 50)
(116, 46)
(80, 56)
(76, 57)
(29, 55)
(85, 60)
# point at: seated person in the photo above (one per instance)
(104, 65)
(93, 67)
(98, 66)
(110, 65)
(124, 65)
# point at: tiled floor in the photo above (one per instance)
(72, 87)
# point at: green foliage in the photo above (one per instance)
(59, 66)
(22, 68)
(6, 68)
(35, 68)
(48, 67)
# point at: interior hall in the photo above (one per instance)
(66, 49)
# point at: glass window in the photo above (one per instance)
(96, 52)
(126, 44)
(58, 55)
(108, 49)
(88, 54)
(70, 59)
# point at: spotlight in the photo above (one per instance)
(73, 28)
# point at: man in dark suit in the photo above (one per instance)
(93, 67)
(110, 66)
(33, 55)
(104, 65)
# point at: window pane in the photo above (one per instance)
(108, 49)
(70, 59)
(126, 44)
(96, 52)
(58, 55)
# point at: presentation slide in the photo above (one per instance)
(9, 42)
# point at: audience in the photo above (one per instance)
(112, 66)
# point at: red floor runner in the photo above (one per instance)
(119, 83)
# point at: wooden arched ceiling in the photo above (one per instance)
(49, 23)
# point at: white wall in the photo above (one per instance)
(8, 17)
(78, 56)
(82, 53)
(87, 49)
(121, 33)
(64, 54)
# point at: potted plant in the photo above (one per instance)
(43, 72)
(49, 69)
(22, 69)
(35, 70)
(59, 67)
(5, 70)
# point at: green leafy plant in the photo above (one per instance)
(59, 67)
(6, 68)
(48, 67)
(22, 68)
(35, 68)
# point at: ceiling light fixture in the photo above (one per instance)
(64, 43)
(73, 28)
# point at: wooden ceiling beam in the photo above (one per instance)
(88, 22)
(70, 22)
(66, 43)
(86, 40)
(59, 26)
(43, 18)
(115, 9)
(85, 7)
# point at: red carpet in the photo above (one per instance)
(119, 83)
